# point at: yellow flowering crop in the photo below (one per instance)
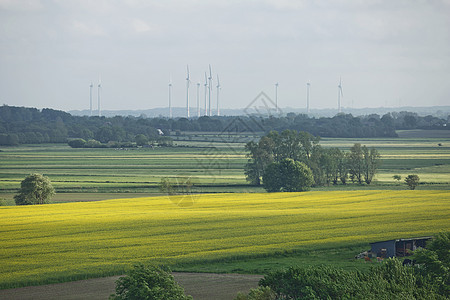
(74, 240)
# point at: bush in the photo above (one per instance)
(34, 189)
(287, 176)
(77, 143)
(148, 282)
(390, 280)
(261, 293)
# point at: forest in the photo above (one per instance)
(22, 125)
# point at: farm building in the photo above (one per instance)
(398, 247)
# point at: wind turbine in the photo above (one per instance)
(218, 89)
(276, 97)
(170, 98)
(209, 91)
(98, 95)
(90, 98)
(340, 94)
(206, 92)
(198, 99)
(188, 81)
(308, 85)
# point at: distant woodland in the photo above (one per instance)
(21, 125)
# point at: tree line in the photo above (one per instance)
(274, 157)
(21, 125)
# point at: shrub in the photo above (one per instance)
(288, 176)
(390, 280)
(148, 282)
(261, 293)
(34, 189)
(77, 143)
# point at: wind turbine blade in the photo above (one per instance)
(210, 72)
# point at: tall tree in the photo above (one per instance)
(259, 157)
(356, 163)
(370, 163)
(343, 167)
(335, 160)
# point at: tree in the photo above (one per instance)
(260, 156)
(148, 282)
(389, 280)
(412, 181)
(397, 177)
(355, 163)
(343, 167)
(34, 189)
(370, 163)
(288, 176)
(141, 140)
(435, 261)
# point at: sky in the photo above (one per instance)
(388, 53)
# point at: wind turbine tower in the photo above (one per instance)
(188, 81)
(90, 98)
(198, 99)
(218, 89)
(98, 96)
(170, 98)
(340, 94)
(308, 85)
(209, 91)
(276, 97)
(206, 93)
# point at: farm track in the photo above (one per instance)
(199, 285)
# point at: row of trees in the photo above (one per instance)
(20, 125)
(139, 140)
(327, 165)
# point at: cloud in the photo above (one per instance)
(140, 26)
(21, 5)
(250, 43)
(87, 29)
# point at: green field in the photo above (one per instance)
(214, 166)
(57, 242)
(81, 236)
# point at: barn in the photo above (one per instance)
(398, 247)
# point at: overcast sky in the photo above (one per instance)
(389, 53)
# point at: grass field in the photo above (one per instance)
(215, 166)
(63, 242)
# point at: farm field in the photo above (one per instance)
(212, 166)
(69, 241)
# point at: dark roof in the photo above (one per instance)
(404, 240)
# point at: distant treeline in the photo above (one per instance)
(21, 125)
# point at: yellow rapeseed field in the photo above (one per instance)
(72, 240)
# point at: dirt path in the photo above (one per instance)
(199, 285)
